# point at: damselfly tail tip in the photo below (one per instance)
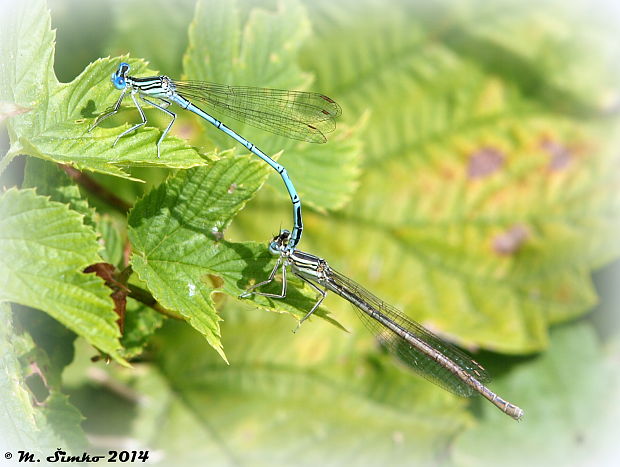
(518, 416)
(515, 412)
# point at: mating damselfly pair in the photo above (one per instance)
(307, 116)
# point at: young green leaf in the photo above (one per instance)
(113, 240)
(63, 134)
(59, 117)
(44, 246)
(176, 232)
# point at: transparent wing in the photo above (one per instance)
(413, 357)
(304, 116)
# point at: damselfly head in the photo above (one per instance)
(119, 76)
(279, 242)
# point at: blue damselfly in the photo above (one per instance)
(417, 347)
(304, 116)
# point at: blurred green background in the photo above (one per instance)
(478, 192)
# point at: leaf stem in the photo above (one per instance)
(96, 188)
(143, 296)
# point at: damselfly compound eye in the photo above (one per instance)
(119, 82)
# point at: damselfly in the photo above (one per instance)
(304, 116)
(417, 347)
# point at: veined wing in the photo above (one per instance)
(413, 357)
(299, 115)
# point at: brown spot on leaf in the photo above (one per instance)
(216, 281)
(511, 240)
(561, 155)
(185, 131)
(484, 162)
(232, 188)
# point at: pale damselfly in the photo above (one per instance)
(417, 347)
(304, 116)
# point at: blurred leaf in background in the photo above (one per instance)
(472, 182)
(573, 415)
(499, 206)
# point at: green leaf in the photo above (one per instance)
(56, 127)
(65, 419)
(49, 180)
(263, 52)
(45, 351)
(19, 425)
(213, 42)
(288, 395)
(176, 233)
(26, 58)
(132, 31)
(60, 131)
(40, 428)
(141, 323)
(570, 395)
(541, 63)
(481, 213)
(335, 164)
(26, 53)
(113, 240)
(44, 246)
(51, 341)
